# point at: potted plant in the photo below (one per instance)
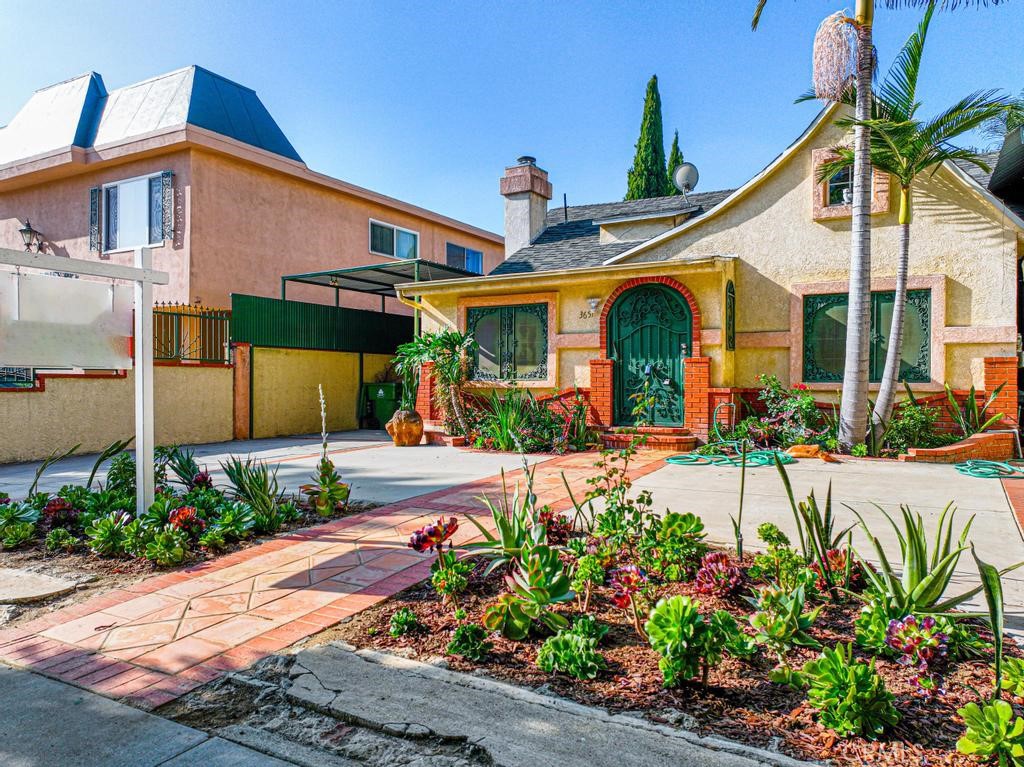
(406, 425)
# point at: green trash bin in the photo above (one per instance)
(382, 399)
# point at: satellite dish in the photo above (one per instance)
(685, 177)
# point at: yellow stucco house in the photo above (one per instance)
(701, 294)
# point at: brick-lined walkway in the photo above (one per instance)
(157, 640)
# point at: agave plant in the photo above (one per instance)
(516, 524)
(920, 588)
(539, 581)
(970, 418)
(255, 483)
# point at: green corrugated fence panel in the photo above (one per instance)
(298, 325)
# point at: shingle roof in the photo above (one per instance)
(80, 112)
(573, 243)
(984, 177)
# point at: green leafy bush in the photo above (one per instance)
(993, 731)
(16, 534)
(469, 641)
(780, 564)
(687, 643)
(913, 425)
(572, 654)
(589, 573)
(60, 539)
(168, 547)
(849, 695)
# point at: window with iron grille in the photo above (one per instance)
(824, 352)
(512, 342)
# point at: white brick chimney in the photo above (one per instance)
(526, 190)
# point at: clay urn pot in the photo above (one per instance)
(405, 428)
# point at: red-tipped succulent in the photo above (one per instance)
(187, 518)
(717, 575)
(626, 581)
(433, 536)
(58, 513)
(202, 479)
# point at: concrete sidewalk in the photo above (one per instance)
(44, 722)
(513, 725)
(377, 470)
(712, 492)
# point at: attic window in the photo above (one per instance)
(833, 198)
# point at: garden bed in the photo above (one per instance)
(739, 702)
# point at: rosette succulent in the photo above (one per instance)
(717, 575)
(922, 645)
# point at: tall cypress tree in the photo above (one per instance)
(675, 159)
(649, 176)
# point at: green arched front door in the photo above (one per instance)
(650, 333)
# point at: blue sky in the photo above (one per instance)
(428, 101)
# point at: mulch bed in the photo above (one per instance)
(739, 702)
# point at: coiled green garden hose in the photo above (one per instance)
(754, 457)
(990, 469)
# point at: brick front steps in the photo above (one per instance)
(667, 438)
(156, 640)
(435, 434)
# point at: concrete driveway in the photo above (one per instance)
(713, 493)
(377, 470)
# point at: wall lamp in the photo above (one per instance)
(31, 237)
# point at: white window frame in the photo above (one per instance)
(466, 250)
(103, 215)
(396, 228)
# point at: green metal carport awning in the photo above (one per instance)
(377, 279)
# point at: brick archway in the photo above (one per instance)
(676, 285)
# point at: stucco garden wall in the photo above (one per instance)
(284, 389)
(191, 404)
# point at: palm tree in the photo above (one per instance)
(906, 147)
(449, 351)
(835, 63)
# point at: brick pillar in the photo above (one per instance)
(999, 370)
(602, 391)
(425, 405)
(697, 383)
(242, 392)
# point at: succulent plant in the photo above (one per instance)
(717, 575)
(922, 645)
(433, 536)
(186, 519)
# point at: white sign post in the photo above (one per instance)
(144, 278)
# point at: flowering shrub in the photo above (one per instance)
(433, 536)
(717, 575)
(922, 645)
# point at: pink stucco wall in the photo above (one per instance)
(250, 225)
(238, 226)
(59, 209)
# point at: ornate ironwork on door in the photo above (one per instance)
(649, 336)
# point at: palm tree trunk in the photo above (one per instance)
(460, 417)
(853, 413)
(893, 355)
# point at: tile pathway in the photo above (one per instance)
(158, 639)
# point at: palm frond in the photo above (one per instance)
(899, 89)
(758, 10)
(968, 113)
(943, 5)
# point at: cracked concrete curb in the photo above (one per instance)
(308, 689)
